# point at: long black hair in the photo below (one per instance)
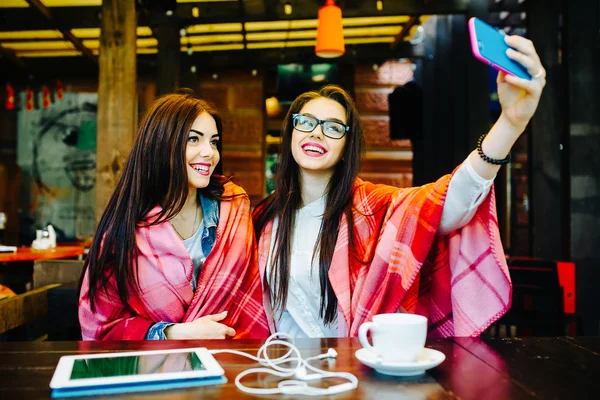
(155, 174)
(287, 199)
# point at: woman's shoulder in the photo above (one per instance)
(233, 189)
(150, 216)
(366, 188)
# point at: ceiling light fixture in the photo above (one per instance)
(330, 32)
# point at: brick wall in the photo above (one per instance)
(239, 98)
(388, 161)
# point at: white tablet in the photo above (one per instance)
(135, 368)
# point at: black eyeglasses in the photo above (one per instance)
(308, 123)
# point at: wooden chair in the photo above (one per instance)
(63, 301)
(24, 309)
(46, 272)
(537, 301)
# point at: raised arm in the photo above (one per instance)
(519, 98)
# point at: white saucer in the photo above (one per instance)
(428, 358)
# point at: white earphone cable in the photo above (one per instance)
(291, 386)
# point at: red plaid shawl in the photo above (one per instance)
(228, 280)
(459, 281)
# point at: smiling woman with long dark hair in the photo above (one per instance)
(174, 254)
(335, 250)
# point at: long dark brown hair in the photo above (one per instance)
(287, 199)
(155, 174)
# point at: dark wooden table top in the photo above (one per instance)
(509, 368)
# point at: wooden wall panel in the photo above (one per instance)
(9, 201)
(9, 175)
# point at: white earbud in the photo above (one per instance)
(303, 375)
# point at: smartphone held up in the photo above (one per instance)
(488, 46)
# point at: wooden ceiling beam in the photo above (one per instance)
(45, 11)
(242, 16)
(11, 56)
(399, 38)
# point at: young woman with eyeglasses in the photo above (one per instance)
(174, 255)
(335, 250)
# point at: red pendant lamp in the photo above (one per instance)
(330, 33)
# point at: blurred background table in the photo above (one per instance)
(29, 254)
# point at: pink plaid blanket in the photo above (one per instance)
(228, 280)
(459, 281)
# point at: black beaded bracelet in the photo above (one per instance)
(490, 160)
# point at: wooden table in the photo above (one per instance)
(29, 254)
(528, 368)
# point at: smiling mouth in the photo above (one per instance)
(313, 151)
(201, 169)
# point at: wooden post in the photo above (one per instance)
(116, 95)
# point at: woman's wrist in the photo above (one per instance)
(175, 331)
(500, 139)
(509, 128)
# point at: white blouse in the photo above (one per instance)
(301, 317)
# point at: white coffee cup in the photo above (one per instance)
(396, 337)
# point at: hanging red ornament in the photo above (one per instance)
(59, 90)
(45, 96)
(28, 99)
(10, 97)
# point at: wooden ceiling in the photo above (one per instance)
(39, 37)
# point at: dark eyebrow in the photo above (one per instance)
(202, 134)
(328, 119)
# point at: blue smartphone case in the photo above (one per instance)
(488, 45)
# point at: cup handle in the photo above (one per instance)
(362, 336)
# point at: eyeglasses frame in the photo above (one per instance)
(320, 122)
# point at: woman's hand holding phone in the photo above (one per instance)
(521, 75)
(519, 97)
